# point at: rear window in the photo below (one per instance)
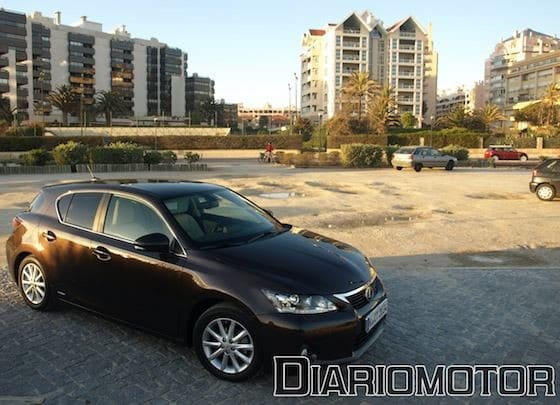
(81, 209)
(407, 151)
(550, 166)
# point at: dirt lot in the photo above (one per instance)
(432, 216)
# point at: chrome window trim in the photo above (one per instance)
(343, 296)
(120, 194)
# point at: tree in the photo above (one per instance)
(549, 105)
(304, 127)
(65, 99)
(359, 89)
(6, 111)
(382, 110)
(110, 104)
(408, 120)
(460, 118)
(489, 114)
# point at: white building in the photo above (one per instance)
(401, 56)
(39, 54)
(470, 99)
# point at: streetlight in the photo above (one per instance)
(296, 79)
(290, 107)
(320, 115)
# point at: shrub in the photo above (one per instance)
(192, 157)
(456, 151)
(169, 157)
(335, 142)
(361, 155)
(35, 157)
(70, 153)
(153, 157)
(117, 153)
(30, 130)
(390, 151)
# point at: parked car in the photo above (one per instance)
(201, 264)
(546, 180)
(504, 152)
(418, 157)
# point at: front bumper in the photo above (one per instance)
(533, 186)
(333, 337)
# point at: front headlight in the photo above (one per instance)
(299, 304)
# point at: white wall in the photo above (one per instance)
(102, 65)
(140, 81)
(178, 96)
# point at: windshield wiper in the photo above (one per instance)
(263, 235)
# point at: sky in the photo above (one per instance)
(251, 47)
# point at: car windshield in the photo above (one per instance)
(407, 151)
(220, 218)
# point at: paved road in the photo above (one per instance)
(437, 316)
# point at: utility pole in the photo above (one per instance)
(296, 79)
(290, 107)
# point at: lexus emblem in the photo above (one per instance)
(368, 293)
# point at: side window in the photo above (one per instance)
(82, 209)
(62, 206)
(130, 219)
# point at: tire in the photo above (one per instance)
(523, 158)
(241, 363)
(398, 167)
(418, 167)
(34, 285)
(450, 165)
(546, 192)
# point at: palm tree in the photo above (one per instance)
(111, 104)
(65, 99)
(549, 104)
(489, 114)
(382, 110)
(359, 89)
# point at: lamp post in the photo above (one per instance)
(295, 90)
(290, 107)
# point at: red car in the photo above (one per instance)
(504, 152)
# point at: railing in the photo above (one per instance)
(406, 74)
(408, 34)
(406, 47)
(351, 45)
(351, 31)
(408, 61)
(350, 58)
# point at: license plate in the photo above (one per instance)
(375, 316)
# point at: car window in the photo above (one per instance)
(63, 204)
(407, 151)
(553, 166)
(435, 152)
(131, 219)
(82, 209)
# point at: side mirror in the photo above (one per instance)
(153, 242)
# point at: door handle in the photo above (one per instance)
(102, 254)
(49, 236)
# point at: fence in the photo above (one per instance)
(103, 168)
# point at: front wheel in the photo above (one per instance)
(226, 343)
(399, 167)
(418, 167)
(33, 284)
(450, 165)
(546, 192)
(523, 158)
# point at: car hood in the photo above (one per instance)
(300, 261)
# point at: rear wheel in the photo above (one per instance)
(33, 284)
(399, 168)
(546, 192)
(523, 158)
(450, 165)
(417, 167)
(226, 343)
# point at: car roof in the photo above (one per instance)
(154, 188)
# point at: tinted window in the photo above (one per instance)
(82, 209)
(63, 205)
(552, 166)
(406, 150)
(130, 219)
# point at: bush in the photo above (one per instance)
(117, 153)
(171, 142)
(70, 153)
(456, 151)
(169, 157)
(35, 157)
(153, 157)
(390, 151)
(361, 155)
(335, 142)
(30, 130)
(192, 157)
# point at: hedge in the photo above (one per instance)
(117, 153)
(456, 151)
(24, 143)
(35, 157)
(335, 142)
(438, 139)
(361, 155)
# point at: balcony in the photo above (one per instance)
(42, 85)
(81, 80)
(119, 83)
(21, 80)
(406, 87)
(406, 74)
(349, 71)
(351, 31)
(407, 48)
(122, 75)
(406, 34)
(351, 58)
(351, 45)
(3, 62)
(405, 100)
(22, 92)
(4, 88)
(406, 61)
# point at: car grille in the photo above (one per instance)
(359, 300)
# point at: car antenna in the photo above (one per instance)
(93, 178)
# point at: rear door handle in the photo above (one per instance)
(49, 235)
(101, 253)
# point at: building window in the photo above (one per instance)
(338, 40)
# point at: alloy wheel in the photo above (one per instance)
(545, 192)
(33, 283)
(228, 345)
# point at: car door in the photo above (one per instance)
(436, 158)
(66, 240)
(420, 156)
(148, 289)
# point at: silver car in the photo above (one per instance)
(418, 157)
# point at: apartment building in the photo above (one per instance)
(469, 99)
(198, 91)
(402, 56)
(527, 80)
(265, 116)
(39, 54)
(521, 46)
